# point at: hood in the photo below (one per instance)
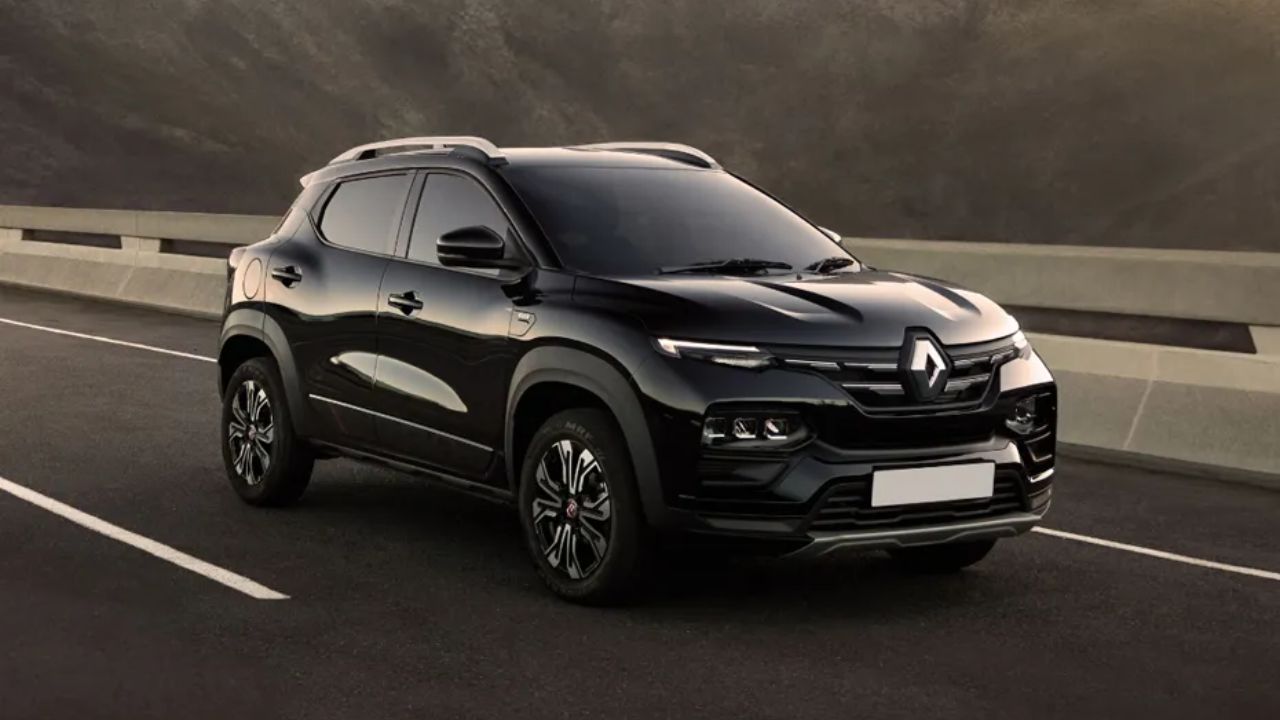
(858, 309)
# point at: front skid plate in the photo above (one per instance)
(985, 529)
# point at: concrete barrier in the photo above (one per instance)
(1239, 287)
(200, 227)
(1200, 407)
(138, 272)
(191, 285)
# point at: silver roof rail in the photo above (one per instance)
(671, 151)
(482, 146)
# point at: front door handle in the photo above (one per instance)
(407, 302)
(287, 275)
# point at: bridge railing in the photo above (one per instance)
(173, 261)
(1148, 402)
(216, 229)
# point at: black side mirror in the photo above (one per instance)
(474, 247)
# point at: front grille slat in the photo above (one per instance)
(879, 388)
(957, 385)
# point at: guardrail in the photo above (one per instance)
(1217, 410)
(153, 225)
(149, 267)
(1239, 287)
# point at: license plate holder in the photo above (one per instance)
(937, 483)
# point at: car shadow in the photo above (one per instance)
(484, 538)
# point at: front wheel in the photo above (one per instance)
(580, 509)
(265, 462)
(949, 558)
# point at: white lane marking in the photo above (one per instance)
(112, 341)
(147, 545)
(1238, 569)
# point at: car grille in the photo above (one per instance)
(847, 506)
(848, 429)
(874, 381)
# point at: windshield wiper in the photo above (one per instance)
(827, 265)
(728, 266)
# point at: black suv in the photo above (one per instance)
(630, 344)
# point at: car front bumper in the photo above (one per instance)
(813, 504)
(813, 494)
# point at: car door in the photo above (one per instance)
(445, 359)
(323, 292)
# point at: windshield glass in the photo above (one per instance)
(640, 221)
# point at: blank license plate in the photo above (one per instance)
(910, 486)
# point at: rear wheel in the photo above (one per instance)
(580, 510)
(265, 462)
(948, 558)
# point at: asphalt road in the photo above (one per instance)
(407, 600)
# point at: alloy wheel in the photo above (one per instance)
(251, 432)
(572, 514)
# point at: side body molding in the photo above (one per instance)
(252, 322)
(595, 375)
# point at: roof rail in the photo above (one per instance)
(671, 151)
(481, 146)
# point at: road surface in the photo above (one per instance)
(408, 600)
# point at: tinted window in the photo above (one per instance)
(631, 221)
(364, 214)
(451, 202)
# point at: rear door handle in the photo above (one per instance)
(287, 275)
(408, 302)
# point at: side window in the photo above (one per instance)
(364, 214)
(450, 202)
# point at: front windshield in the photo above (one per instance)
(640, 221)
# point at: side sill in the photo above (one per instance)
(480, 490)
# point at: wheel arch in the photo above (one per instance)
(582, 379)
(249, 332)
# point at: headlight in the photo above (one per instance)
(753, 429)
(1023, 418)
(743, 356)
(1031, 414)
(1022, 345)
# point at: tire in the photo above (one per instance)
(276, 466)
(566, 516)
(938, 559)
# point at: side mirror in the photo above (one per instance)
(835, 236)
(474, 247)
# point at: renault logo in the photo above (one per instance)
(925, 366)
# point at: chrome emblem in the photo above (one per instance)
(926, 367)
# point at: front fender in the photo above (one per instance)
(606, 381)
